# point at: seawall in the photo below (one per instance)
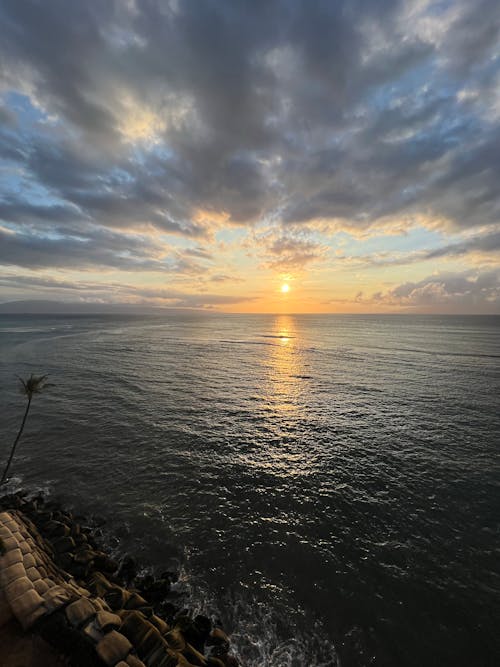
(64, 600)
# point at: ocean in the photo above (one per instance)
(329, 486)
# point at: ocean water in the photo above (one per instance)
(329, 484)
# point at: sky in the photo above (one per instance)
(205, 153)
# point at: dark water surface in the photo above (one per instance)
(331, 479)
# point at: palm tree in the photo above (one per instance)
(35, 384)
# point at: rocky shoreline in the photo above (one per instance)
(60, 585)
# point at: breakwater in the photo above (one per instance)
(61, 587)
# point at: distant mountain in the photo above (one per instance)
(42, 307)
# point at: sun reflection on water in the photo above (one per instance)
(283, 400)
(282, 367)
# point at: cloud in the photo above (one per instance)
(90, 248)
(224, 278)
(353, 102)
(113, 292)
(479, 248)
(471, 291)
(186, 118)
(285, 250)
(288, 253)
(484, 244)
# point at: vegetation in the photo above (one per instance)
(35, 384)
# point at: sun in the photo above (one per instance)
(285, 288)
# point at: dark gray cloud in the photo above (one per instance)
(142, 113)
(292, 253)
(104, 249)
(472, 291)
(91, 248)
(112, 292)
(20, 281)
(485, 245)
(7, 117)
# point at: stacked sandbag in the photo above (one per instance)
(85, 614)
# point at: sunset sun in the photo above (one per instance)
(285, 288)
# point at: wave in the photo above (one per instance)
(437, 353)
(279, 336)
(259, 635)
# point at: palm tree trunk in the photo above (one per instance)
(12, 451)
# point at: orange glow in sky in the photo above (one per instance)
(328, 188)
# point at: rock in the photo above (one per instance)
(195, 657)
(134, 626)
(98, 584)
(155, 590)
(197, 632)
(66, 561)
(40, 500)
(84, 556)
(63, 544)
(152, 642)
(80, 623)
(168, 611)
(147, 611)
(75, 529)
(56, 529)
(175, 639)
(29, 506)
(127, 570)
(135, 601)
(159, 624)
(218, 637)
(220, 651)
(116, 598)
(43, 516)
(113, 647)
(104, 563)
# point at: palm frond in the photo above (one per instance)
(35, 384)
(22, 385)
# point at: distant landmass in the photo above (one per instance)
(44, 307)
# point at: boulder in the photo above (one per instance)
(113, 647)
(56, 529)
(63, 544)
(104, 563)
(127, 570)
(218, 637)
